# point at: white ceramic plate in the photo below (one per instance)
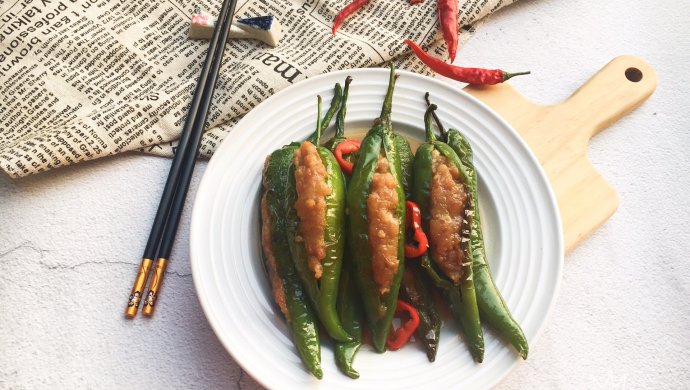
(519, 212)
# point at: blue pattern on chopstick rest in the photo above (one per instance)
(260, 22)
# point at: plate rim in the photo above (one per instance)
(204, 182)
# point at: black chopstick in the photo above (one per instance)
(170, 207)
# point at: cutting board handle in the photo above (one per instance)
(559, 134)
(615, 90)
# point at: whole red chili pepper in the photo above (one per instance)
(346, 147)
(465, 75)
(399, 337)
(413, 220)
(416, 1)
(346, 12)
(448, 19)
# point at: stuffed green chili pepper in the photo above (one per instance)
(315, 206)
(492, 308)
(287, 287)
(441, 190)
(376, 206)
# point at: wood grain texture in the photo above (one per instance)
(559, 134)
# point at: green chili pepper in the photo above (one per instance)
(460, 293)
(324, 290)
(379, 301)
(406, 162)
(349, 308)
(299, 315)
(350, 312)
(415, 290)
(492, 307)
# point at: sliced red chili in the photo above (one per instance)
(422, 244)
(397, 338)
(346, 12)
(416, 242)
(459, 73)
(346, 147)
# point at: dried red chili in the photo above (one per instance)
(346, 147)
(459, 73)
(416, 1)
(397, 338)
(448, 20)
(346, 12)
(416, 244)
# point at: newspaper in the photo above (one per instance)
(83, 79)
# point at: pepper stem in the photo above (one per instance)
(507, 75)
(444, 133)
(428, 123)
(317, 139)
(340, 119)
(388, 102)
(335, 104)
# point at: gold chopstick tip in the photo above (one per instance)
(154, 287)
(138, 288)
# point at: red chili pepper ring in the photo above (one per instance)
(346, 147)
(416, 244)
(397, 338)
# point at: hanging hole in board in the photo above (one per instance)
(633, 74)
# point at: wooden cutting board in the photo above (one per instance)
(559, 134)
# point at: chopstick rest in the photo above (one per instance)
(263, 28)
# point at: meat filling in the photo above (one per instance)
(383, 225)
(266, 237)
(448, 202)
(312, 189)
